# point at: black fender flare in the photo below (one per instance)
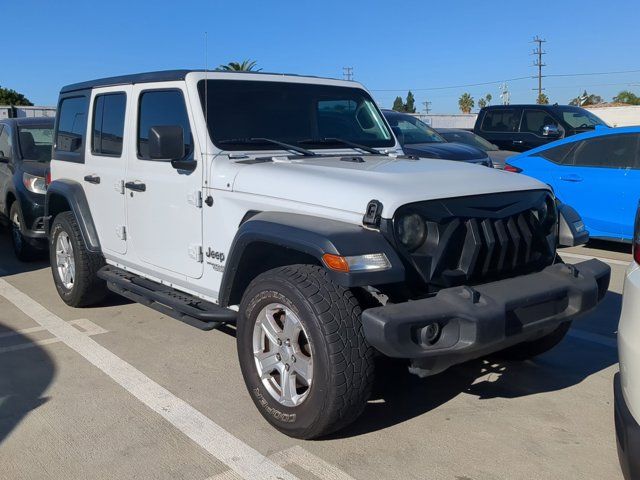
(75, 197)
(313, 236)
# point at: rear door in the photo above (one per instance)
(500, 126)
(105, 164)
(532, 126)
(595, 181)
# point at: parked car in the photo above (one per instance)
(627, 382)
(326, 244)
(597, 173)
(25, 152)
(523, 127)
(419, 139)
(498, 157)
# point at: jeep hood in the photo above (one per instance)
(349, 182)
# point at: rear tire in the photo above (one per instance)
(528, 350)
(333, 382)
(23, 251)
(74, 268)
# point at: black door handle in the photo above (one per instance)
(92, 179)
(136, 186)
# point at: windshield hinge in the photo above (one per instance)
(195, 198)
(373, 214)
(195, 252)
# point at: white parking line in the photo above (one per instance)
(579, 256)
(240, 457)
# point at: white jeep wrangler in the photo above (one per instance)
(283, 205)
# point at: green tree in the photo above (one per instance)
(410, 106)
(586, 99)
(482, 103)
(398, 105)
(627, 97)
(466, 103)
(488, 97)
(244, 66)
(542, 99)
(11, 97)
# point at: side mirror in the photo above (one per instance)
(3, 158)
(551, 131)
(399, 135)
(166, 143)
(571, 228)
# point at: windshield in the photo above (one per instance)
(580, 118)
(413, 130)
(243, 114)
(469, 138)
(35, 143)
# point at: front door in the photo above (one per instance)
(105, 162)
(532, 128)
(164, 214)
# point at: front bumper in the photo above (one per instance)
(627, 434)
(475, 321)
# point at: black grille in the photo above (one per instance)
(470, 240)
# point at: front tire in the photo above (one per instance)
(74, 268)
(303, 355)
(21, 248)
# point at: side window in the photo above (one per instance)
(501, 120)
(108, 123)
(559, 154)
(162, 108)
(533, 121)
(5, 143)
(610, 151)
(72, 127)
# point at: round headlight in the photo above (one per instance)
(411, 230)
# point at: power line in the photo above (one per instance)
(347, 73)
(427, 106)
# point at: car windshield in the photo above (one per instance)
(580, 118)
(469, 138)
(413, 130)
(251, 115)
(35, 142)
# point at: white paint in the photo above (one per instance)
(578, 256)
(629, 341)
(244, 460)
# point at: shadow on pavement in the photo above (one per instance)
(399, 396)
(620, 247)
(25, 374)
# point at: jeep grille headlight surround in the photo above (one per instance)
(34, 183)
(411, 230)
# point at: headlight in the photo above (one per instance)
(34, 184)
(546, 212)
(411, 230)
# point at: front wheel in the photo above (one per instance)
(302, 352)
(23, 251)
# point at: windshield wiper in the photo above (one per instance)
(286, 146)
(345, 142)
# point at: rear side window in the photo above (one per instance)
(559, 154)
(71, 129)
(610, 151)
(162, 108)
(501, 120)
(108, 124)
(534, 121)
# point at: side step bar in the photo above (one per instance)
(169, 301)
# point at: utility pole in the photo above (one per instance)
(505, 96)
(538, 62)
(427, 106)
(347, 73)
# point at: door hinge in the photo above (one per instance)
(121, 232)
(119, 186)
(195, 252)
(195, 198)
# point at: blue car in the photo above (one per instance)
(597, 173)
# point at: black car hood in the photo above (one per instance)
(444, 151)
(34, 168)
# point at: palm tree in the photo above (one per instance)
(586, 99)
(542, 99)
(466, 103)
(245, 66)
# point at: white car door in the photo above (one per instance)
(164, 210)
(105, 161)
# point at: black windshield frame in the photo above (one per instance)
(295, 117)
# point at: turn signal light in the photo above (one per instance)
(510, 168)
(369, 262)
(335, 262)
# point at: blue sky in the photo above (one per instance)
(392, 46)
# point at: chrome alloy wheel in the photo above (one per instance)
(282, 353)
(64, 260)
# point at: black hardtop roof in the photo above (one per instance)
(150, 77)
(24, 121)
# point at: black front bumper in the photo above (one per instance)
(627, 434)
(475, 321)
